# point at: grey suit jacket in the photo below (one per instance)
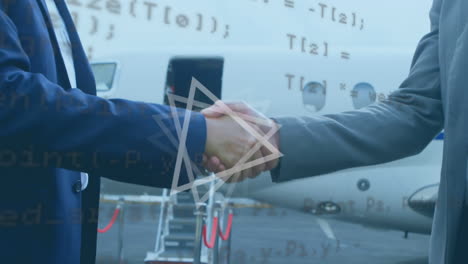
(433, 97)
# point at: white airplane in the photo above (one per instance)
(286, 57)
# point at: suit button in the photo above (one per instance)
(77, 187)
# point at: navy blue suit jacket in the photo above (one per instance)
(49, 132)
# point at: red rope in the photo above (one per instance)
(112, 221)
(214, 228)
(228, 228)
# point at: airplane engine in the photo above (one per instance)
(423, 201)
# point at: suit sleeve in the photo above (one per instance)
(401, 126)
(42, 125)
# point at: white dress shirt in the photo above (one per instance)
(66, 50)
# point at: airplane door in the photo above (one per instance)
(181, 70)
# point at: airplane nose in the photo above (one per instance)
(423, 201)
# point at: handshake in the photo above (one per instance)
(240, 143)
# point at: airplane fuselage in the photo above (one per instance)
(285, 58)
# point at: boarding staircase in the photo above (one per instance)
(177, 240)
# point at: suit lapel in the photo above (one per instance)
(61, 70)
(84, 76)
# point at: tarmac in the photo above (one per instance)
(271, 236)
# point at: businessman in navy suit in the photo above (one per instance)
(57, 139)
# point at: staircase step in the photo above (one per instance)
(177, 253)
(185, 225)
(183, 221)
(176, 257)
(180, 237)
(182, 230)
(185, 198)
(184, 210)
(176, 241)
(178, 246)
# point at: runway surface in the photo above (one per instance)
(272, 236)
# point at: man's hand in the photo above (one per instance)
(217, 164)
(227, 140)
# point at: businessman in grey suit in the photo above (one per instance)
(432, 98)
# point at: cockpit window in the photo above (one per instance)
(104, 73)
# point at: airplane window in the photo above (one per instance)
(104, 74)
(363, 95)
(313, 96)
